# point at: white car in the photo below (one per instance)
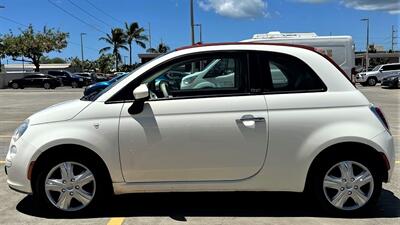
(371, 78)
(306, 128)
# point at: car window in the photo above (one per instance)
(289, 74)
(197, 77)
(34, 76)
(30, 76)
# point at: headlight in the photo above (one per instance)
(394, 78)
(80, 79)
(12, 152)
(20, 130)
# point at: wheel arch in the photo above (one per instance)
(353, 148)
(58, 150)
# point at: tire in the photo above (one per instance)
(46, 85)
(328, 184)
(372, 81)
(47, 193)
(74, 84)
(15, 85)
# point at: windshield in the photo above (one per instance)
(376, 68)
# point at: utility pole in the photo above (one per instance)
(82, 50)
(367, 53)
(394, 38)
(192, 21)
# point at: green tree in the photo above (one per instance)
(34, 45)
(133, 34)
(116, 41)
(87, 64)
(2, 53)
(161, 48)
(105, 63)
(55, 60)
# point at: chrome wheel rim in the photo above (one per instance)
(46, 85)
(15, 85)
(70, 186)
(348, 185)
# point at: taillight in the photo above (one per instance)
(378, 113)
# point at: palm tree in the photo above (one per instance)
(161, 48)
(116, 41)
(134, 34)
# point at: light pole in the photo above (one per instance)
(192, 21)
(82, 49)
(367, 53)
(1, 7)
(201, 33)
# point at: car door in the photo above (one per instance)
(28, 81)
(208, 134)
(37, 80)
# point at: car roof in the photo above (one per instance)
(246, 43)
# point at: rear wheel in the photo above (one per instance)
(47, 85)
(347, 186)
(69, 186)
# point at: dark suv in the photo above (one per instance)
(68, 79)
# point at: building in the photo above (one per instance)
(44, 68)
(377, 58)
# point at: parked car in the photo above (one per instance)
(68, 79)
(380, 72)
(97, 87)
(87, 77)
(98, 77)
(35, 80)
(391, 82)
(307, 128)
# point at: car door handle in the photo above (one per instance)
(255, 119)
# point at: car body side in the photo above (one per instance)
(301, 126)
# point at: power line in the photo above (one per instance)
(105, 13)
(77, 18)
(13, 21)
(87, 13)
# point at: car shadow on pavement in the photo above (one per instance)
(178, 206)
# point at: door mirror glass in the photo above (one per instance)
(141, 92)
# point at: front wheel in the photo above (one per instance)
(68, 186)
(347, 186)
(74, 84)
(46, 85)
(372, 81)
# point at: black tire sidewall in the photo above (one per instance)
(39, 193)
(318, 192)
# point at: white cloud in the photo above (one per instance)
(391, 6)
(236, 8)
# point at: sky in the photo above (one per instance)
(222, 20)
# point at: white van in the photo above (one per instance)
(339, 48)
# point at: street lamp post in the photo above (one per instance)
(1, 7)
(82, 49)
(192, 21)
(367, 52)
(201, 32)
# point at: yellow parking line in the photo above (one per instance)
(116, 221)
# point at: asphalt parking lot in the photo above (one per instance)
(193, 208)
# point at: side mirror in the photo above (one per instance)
(141, 92)
(380, 70)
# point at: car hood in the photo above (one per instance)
(59, 112)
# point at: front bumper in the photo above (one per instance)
(361, 79)
(18, 166)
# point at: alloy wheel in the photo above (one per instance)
(70, 186)
(348, 185)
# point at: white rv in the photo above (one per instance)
(339, 48)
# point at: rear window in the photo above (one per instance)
(289, 74)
